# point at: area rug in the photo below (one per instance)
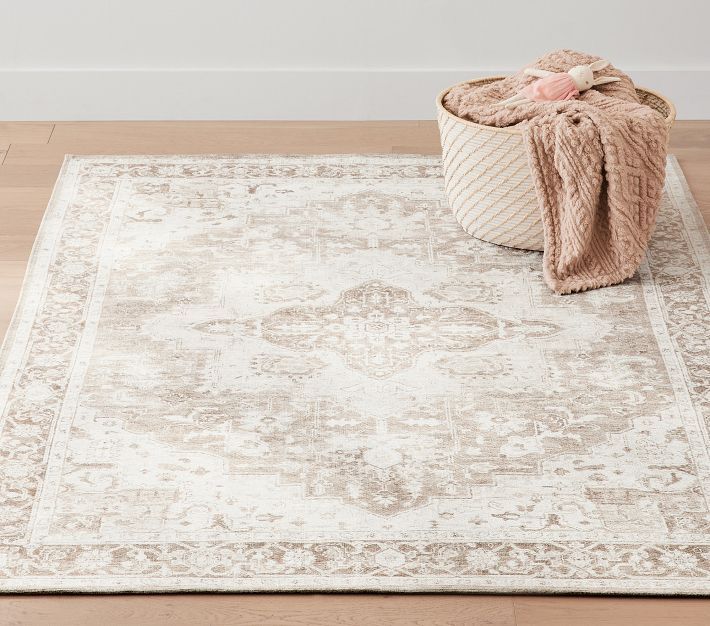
(299, 373)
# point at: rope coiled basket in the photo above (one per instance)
(487, 176)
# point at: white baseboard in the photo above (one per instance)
(271, 94)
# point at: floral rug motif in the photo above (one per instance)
(299, 373)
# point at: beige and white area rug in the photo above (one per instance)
(299, 373)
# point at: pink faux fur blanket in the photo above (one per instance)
(598, 165)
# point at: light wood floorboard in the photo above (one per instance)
(262, 610)
(25, 132)
(30, 157)
(572, 611)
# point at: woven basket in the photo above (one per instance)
(487, 177)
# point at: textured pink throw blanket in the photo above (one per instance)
(598, 165)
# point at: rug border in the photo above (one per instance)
(31, 267)
(700, 232)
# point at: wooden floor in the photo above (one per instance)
(30, 157)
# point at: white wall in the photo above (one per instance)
(320, 59)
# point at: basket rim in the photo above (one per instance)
(516, 131)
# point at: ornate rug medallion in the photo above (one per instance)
(299, 373)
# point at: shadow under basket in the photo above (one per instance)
(487, 176)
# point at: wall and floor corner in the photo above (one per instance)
(314, 59)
